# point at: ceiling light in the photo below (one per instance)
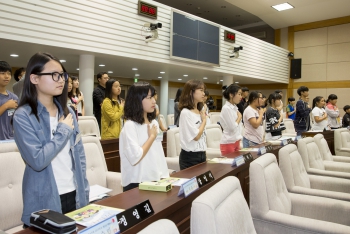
(110, 72)
(77, 69)
(102, 65)
(14, 55)
(137, 74)
(159, 77)
(221, 80)
(162, 72)
(283, 6)
(134, 69)
(205, 78)
(62, 60)
(179, 79)
(236, 82)
(185, 75)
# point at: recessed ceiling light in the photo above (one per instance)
(185, 75)
(77, 69)
(221, 80)
(283, 6)
(137, 74)
(102, 65)
(236, 82)
(62, 60)
(205, 78)
(14, 55)
(134, 69)
(179, 79)
(159, 77)
(162, 72)
(110, 72)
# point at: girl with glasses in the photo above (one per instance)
(48, 138)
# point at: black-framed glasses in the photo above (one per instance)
(56, 76)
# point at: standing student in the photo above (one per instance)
(230, 118)
(280, 108)
(112, 110)
(141, 154)
(98, 95)
(274, 118)
(70, 103)
(319, 113)
(346, 117)
(333, 111)
(253, 118)
(48, 138)
(176, 107)
(8, 102)
(18, 86)
(192, 124)
(290, 109)
(241, 105)
(77, 96)
(302, 114)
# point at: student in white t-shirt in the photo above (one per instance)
(192, 124)
(141, 153)
(253, 118)
(230, 118)
(319, 113)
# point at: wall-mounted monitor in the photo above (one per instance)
(194, 40)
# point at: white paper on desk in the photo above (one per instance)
(180, 182)
(97, 192)
(222, 160)
(250, 149)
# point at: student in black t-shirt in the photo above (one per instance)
(346, 117)
(241, 105)
(274, 119)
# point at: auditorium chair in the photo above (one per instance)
(11, 175)
(275, 210)
(170, 119)
(161, 119)
(326, 153)
(290, 130)
(298, 181)
(213, 137)
(342, 142)
(222, 209)
(159, 227)
(88, 126)
(96, 168)
(173, 149)
(214, 117)
(314, 163)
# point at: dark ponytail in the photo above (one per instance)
(331, 97)
(316, 100)
(231, 89)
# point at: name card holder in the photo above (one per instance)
(284, 142)
(238, 161)
(205, 178)
(289, 141)
(188, 187)
(134, 215)
(109, 225)
(248, 157)
(262, 150)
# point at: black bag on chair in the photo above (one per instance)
(52, 222)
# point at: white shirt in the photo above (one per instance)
(281, 111)
(152, 167)
(189, 129)
(320, 113)
(253, 134)
(62, 164)
(228, 117)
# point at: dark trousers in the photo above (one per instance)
(189, 159)
(130, 186)
(68, 203)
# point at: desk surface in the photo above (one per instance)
(169, 205)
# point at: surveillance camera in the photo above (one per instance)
(235, 55)
(151, 37)
(290, 54)
(153, 26)
(236, 49)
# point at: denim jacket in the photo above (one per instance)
(34, 142)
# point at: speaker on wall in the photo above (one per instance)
(295, 68)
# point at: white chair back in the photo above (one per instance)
(160, 226)
(290, 130)
(214, 133)
(310, 153)
(88, 126)
(214, 117)
(323, 147)
(170, 119)
(173, 143)
(162, 119)
(342, 141)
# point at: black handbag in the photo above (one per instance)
(52, 222)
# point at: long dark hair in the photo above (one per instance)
(331, 97)
(186, 98)
(252, 97)
(178, 94)
(316, 100)
(77, 90)
(274, 96)
(133, 109)
(36, 65)
(231, 89)
(109, 93)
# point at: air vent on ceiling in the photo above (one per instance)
(258, 34)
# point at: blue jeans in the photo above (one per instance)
(247, 143)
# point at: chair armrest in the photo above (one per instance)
(173, 163)
(213, 153)
(275, 222)
(344, 159)
(320, 193)
(320, 208)
(314, 171)
(114, 182)
(330, 183)
(336, 166)
(345, 149)
(289, 134)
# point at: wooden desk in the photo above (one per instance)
(328, 136)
